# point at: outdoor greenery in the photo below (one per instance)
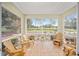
(43, 26)
(11, 24)
(70, 23)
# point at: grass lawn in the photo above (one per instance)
(48, 30)
(70, 30)
(42, 30)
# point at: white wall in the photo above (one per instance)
(61, 25)
(0, 21)
(0, 29)
(77, 29)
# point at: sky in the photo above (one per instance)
(53, 22)
(71, 16)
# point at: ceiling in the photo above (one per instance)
(44, 7)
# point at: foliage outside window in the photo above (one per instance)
(45, 25)
(42, 25)
(70, 29)
(70, 23)
(11, 24)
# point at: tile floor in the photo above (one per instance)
(44, 48)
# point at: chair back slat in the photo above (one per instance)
(8, 44)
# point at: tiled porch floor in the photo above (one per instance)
(44, 48)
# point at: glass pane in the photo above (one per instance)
(42, 25)
(70, 29)
(11, 24)
(70, 23)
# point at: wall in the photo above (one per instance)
(41, 16)
(78, 29)
(61, 25)
(69, 11)
(0, 30)
(0, 20)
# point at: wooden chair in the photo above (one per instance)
(27, 42)
(69, 51)
(58, 39)
(11, 50)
